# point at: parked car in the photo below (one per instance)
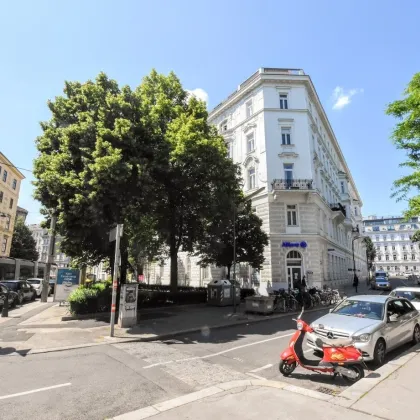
(410, 293)
(24, 290)
(13, 296)
(37, 284)
(380, 282)
(376, 324)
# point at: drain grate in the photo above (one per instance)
(327, 391)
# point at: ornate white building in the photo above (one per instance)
(391, 237)
(297, 178)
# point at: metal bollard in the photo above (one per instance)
(5, 310)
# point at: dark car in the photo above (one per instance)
(13, 296)
(23, 289)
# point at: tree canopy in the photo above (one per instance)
(218, 246)
(406, 136)
(370, 249)
(23, 244)
(146, 158)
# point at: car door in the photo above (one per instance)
(411, 316)
(403, 324)
(392, 329)
(26, 290)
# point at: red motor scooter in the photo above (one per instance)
(340, 356)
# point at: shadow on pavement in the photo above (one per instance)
(4, 351)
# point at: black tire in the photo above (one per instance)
(379, 353)
(416, 334)
(286, 369)
(358, 369)
(14, 303)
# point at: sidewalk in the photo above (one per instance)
(390, 392)
(249, 399)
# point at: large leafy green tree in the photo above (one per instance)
(406, 136)
(195, 177)
(370, 250)
(218, 246)
(23, 244)
(93, 166)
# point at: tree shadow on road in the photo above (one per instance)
(4, 351)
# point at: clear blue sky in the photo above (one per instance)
(215, 45)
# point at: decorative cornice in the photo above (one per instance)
(250, 158)
(285, 120)
(248, 126)
(288, 155)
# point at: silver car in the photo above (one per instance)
(376, 324)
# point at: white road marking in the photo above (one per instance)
(261, 368)
(256, 376)
(218, 353)
(4, 397)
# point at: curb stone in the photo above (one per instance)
(153, 410)
(354, 393)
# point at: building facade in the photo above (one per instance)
(10, 180)
(296, 176)
(391, 236)
(42, 239)
(21, 214)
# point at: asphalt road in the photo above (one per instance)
(107, 380)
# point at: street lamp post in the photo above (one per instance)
(354, 261)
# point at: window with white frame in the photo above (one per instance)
(250, 142)
(292, 216)
(249, 110)
(284, 101)
(342, 187)
(288, 171)
(286, 135)
(230, 150)
(4, 244)
(413, 257)
(251, 178)
(224, 126)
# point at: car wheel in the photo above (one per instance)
(285, 368)
(379, 352)
(14, 303)
(357, 370)
(416, 334)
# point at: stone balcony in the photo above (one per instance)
(292, 184)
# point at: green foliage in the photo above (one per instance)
(92, 298)
(406, 136)
(218, 245)
(370, 249)
(23, 244)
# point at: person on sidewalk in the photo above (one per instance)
(303, 284)
(355, 282)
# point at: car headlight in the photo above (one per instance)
(363, 338)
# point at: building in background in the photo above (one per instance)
(42, 239)
(391, 237)
(21, 213)
(10, 180)
(299, 183)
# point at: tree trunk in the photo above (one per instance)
(228, 273)
(173, 252)
(83, 275)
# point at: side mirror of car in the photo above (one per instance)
(393, 318)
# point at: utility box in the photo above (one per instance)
(220, 293)
(260, 304)
(127, 316)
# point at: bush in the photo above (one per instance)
(91, 298)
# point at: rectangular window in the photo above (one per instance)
(1, 196)
(412, 247)
(11, 203)
(414, 268)
(7, 226)
(286, 135)
(284, 101)
(413, 257)
(405, 257)
(406, 268)
(251, 178)
(393, 247)
(288, 171)
(395, 258)
(250, 142)
(403, 247)
(342, 187)
(377, 238)
(386, 248)
(4, 245)
(291, 215)
(355, 211)
(14, 184)
(379, 258)
(387, 257)
(4, 176)
(249, 110)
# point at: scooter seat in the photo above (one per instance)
(338, 342)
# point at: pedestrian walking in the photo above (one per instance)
(355, 282)
(303, 284)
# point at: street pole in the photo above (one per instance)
(354, 261)
(234, 259)
(115, 279)
(50, 260)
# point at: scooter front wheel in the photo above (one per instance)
(285, 368)
(358, 371)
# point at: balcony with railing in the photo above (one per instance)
(338, 207)
(292, 184)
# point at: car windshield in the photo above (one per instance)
(411, 296)
(12, 286)
(34, 281)
(360, 309)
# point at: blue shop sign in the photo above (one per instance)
(302, 244)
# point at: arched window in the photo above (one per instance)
(294, 255)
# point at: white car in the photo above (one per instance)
(37, 285)
(410, 293)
